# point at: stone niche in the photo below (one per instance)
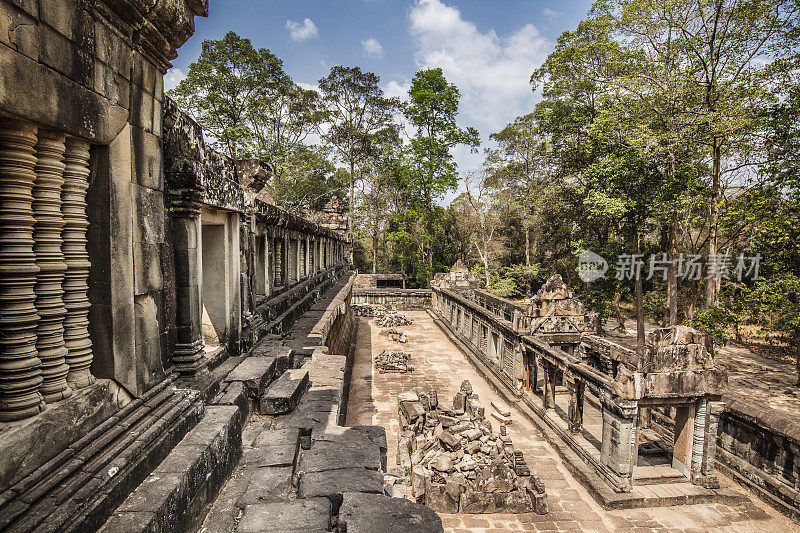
(456, 462)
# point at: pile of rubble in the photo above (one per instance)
(455, 461)
(393, 362)
(395, 334)
(369, 310)
(391, 320)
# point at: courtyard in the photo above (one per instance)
(437, 362)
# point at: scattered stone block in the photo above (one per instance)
(502, 419)
(333, 483)
(284, 393)
(502, 409)
(459, 403)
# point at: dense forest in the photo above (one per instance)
(665, 141)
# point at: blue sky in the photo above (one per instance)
(487, 47)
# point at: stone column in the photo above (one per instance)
(188, 355)
(576, 388)
(76, 322)
(278, 266)
(549, 395)
(308, 263)
(20, 366)
(49, 222)
(619, 438)
(704, 475)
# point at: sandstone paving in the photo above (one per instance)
(439, 364)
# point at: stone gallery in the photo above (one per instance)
(177, 352)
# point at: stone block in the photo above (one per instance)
(268, 484)
(114, 52)
(19, 31)
(147, 273)
(333, 455)
(57, 51)
(333, 483)
(443, 497)
(149, 202)
(460, 403)
(368, 513)
(141, 109)
(60, 15)
(300, 515)
(284, 393)
(112, 85)
(254, 373)
(148, 168)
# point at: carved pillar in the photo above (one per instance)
(575, 414)
(549, 394)
(76, 321)
(50, 260)
(618, 448)
(20, 367)
(188, 355)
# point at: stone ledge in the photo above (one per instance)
(175, 494)
(368, 513)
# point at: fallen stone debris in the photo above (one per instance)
(391, 320)
(456, 463)
(369, 310)
(396, 335)
(397, 362)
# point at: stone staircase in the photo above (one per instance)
(79, 488)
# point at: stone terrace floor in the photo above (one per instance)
(438, 363)
(754, 379)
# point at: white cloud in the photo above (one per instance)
(492, 72)
(372, 48)
(396, 89)
(173, 77)
(301, 32)
(550, 13)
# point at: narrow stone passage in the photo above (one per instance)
(438, 363)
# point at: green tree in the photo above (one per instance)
(432, 110)
(219, 88)
(358, 117)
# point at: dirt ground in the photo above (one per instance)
(438, 363)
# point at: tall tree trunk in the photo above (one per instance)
(486, 270)
(352, 184)
(375, 253)
(672, 273)
(429, 230)
(639, 301)
(617, 310)
(527, 246)
(713, 218)
(797, 360)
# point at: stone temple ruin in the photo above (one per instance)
(538, 349)
(456, 463)
(158, 310)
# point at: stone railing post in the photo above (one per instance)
(49, 223)
(76, 300)
(20, 366)
(618, 448)
(188, 356)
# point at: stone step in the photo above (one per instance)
(175, 496)
(282, 395)
(257, 371)
(102, 468)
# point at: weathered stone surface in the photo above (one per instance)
(332, 483)
(369, 513)
(254, 373)
(443, 497)
(299, 515)
(459, 403)
(267, 485)
(282, 395)
(325, 456)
